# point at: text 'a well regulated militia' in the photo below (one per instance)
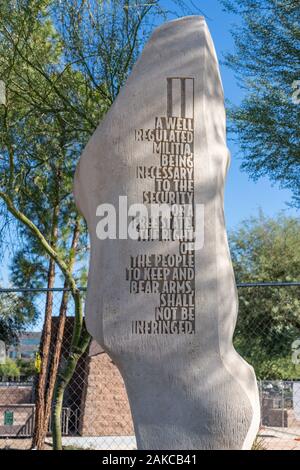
(170, 277)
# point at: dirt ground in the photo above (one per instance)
(280, 438)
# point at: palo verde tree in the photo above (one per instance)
(17, 312)
(63, 67)
(43, 124)
(266, 62)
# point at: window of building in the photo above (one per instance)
(30, 341)
(27, 354)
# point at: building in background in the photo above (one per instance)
(27, 347)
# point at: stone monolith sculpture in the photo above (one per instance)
(162, 298)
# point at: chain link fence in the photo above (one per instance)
(96, 413)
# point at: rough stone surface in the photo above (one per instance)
(189, 390)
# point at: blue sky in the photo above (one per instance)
(243, 197)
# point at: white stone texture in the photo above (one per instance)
(185, 391)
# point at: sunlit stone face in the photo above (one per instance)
(161, 291)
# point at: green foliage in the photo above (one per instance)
(16, 312)
(27, 368)
(266, 62)
(265, 249)
(9, 370)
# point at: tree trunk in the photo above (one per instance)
(55, 358)
(39, 434)
(60, 333)
(62, 382)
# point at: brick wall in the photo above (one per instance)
(15, 395)
(105, 410)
